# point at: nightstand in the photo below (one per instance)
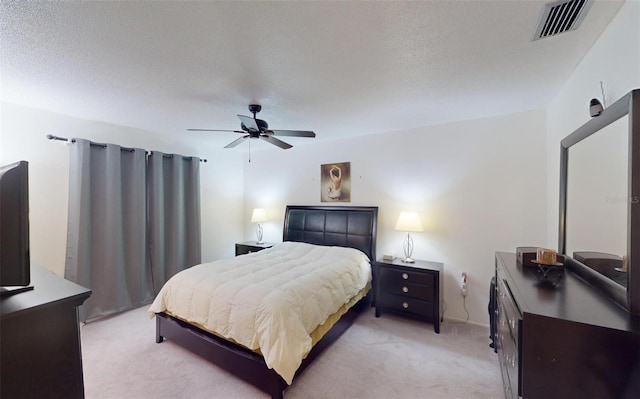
(410, 289)
(251, 246)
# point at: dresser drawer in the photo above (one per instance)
(406, 305)
(509, 362)
(408, 290)
(397, 276)
(510, 314)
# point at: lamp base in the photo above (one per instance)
(407, 245)
(259, 234)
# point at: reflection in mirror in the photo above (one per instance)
(597, 196)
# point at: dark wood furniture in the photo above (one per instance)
(40, 355)
(562, 339)
(251, 246)
(353, 227)
(410, 289)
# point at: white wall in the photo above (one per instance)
(476, 187)
(480, 187)
(615, 60)
(22, 137)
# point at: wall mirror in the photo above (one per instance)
(600, 201)
(597, 192)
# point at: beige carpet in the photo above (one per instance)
(386, 357)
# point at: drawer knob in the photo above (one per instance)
(405, 305)
(405, 276)
(405, 289)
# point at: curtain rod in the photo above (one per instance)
(52, 137)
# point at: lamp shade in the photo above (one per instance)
(409, 222)
(259, 215)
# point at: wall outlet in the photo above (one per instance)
(463, 284)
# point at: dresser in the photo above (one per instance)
(409, 289)
(251, 246)
(40, 355)
(561, 338)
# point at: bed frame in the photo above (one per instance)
(343, 226)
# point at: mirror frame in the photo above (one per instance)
(629, 297)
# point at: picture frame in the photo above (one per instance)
(335, 182)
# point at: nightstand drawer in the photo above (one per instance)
(408, 290)
(395, 276)
(406, 305)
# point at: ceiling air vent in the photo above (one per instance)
(561, 16)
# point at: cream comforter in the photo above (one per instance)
(269, 300)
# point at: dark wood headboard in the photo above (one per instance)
(342, 226)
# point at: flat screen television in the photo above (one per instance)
(599, 225)
(15, 267)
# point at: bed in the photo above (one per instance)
(325, 226)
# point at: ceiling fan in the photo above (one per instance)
(253, 128)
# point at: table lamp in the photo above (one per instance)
(259, 215)
(409, 222)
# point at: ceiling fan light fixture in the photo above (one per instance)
(255, 108)
(254, 128)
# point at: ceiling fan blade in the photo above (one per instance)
(249, 123)
(276, 142)
(215, 130)
(294, 133)
(236, 142)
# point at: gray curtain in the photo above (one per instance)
(106, 237)
(173, 196)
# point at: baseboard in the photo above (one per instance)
(457, 320)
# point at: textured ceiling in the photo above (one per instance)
(338, 68)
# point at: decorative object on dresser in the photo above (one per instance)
(549, 269)
(408, 222)
(548, 263)
(247, 247)
(413, 290)
(562, 341)
(259, 215)
(546, 256)
(527, 256)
